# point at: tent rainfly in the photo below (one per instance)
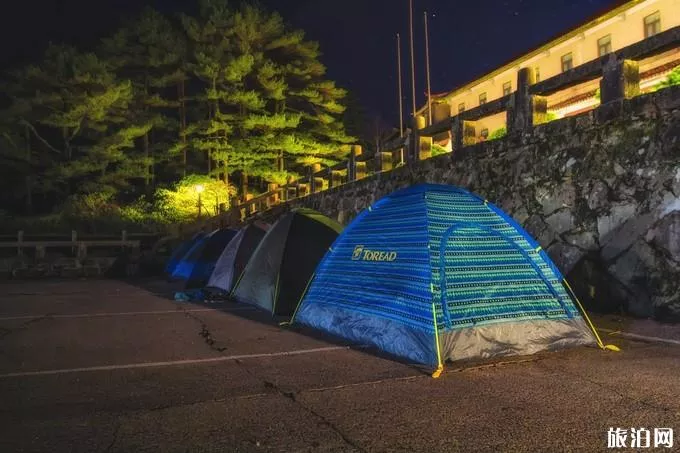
(235, 256)
(281, 267)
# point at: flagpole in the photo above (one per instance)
(401, 94)
(427, 69)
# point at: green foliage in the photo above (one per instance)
(597, 95)
(550, 116)
(498, 133)
(181, 202)
(672, 79)
(228, 93)
(438, 150)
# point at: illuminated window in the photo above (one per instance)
(484, 133)
(652, 24)
(461, 107)
(537, 74)
(567, 62)
(604, 45)
(482, 98)
(507, 87)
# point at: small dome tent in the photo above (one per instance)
(180, 251)
(434, 273)
(234, 258)
(198, 263)
(280, 269)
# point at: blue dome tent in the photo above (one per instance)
(198, 263)
(180, 251)
(434, 273)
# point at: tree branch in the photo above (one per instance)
(35, 132)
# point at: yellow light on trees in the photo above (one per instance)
(199, 188)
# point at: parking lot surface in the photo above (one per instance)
(104, 366)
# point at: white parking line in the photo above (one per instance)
(173, 363)
(127, 313)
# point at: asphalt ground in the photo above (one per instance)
(102, 365)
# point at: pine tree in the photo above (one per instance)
(150, 52)
(78, 110)
(232, 93)
(271, 112)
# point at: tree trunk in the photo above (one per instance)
(152, 167)
(147, 152)
(147, 173)
(182, 125)
(28, 179)
(244, 185)
(67, 143)
(210, 117)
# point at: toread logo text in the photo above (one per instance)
(361, 253)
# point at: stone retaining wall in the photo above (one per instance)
(599, 191)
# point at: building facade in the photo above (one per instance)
(627, 24)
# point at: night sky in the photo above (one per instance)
(357, 37)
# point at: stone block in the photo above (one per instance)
(538, 229)
(617, 216)
(620, 80)
(666, 235)
(563, 196)
(565, 256)
(586, 240)
(599, 195)
(561, 221)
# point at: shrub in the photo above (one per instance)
(498, 133)
(671, 80)
(438, 150)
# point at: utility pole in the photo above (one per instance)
(413, 62)
(427, 71)
(401, 95)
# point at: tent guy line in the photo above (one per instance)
(128, 313)
(634, 336)
(171, 363)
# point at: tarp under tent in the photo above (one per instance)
(434, 273)
(234, 258)
(280, 269)
(180, 251)
(197, 264)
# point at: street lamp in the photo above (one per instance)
(199, 190)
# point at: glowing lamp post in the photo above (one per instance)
(199, 190)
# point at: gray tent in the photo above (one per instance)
(280, 269)
(232, 262)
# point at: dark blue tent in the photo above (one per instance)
(434, 273)
(198, 263)
(180, 251)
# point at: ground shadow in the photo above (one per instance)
(166, 289)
